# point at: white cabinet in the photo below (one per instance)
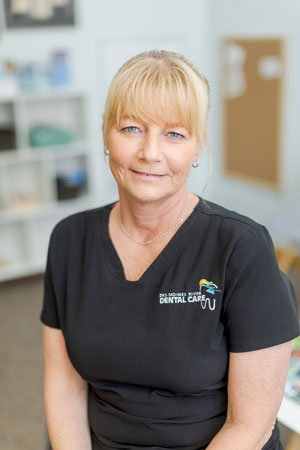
(45, 173)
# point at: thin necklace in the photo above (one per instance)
(160, 235)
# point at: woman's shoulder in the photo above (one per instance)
(78, 222)
(215, 211)
(230, 223)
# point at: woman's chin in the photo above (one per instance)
(147, 194)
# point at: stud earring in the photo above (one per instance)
(195, 164)
(106, 152)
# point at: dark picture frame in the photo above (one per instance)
(61, 16)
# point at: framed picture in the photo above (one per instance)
(38, 13)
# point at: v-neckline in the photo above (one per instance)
(160, 263)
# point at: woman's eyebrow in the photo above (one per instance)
(175, 124)
(167, 124)
(125, 117)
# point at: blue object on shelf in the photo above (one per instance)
(26, 76)
(76, 177)
(71, 185)
(60, 69)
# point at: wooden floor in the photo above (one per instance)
(22, 422)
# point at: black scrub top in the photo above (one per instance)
(155, 351)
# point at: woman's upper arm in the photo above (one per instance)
(58, 367)
(256, 381)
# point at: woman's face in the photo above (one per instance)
(151, 161)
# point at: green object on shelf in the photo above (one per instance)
(44, 136)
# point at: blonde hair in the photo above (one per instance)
(162, 87)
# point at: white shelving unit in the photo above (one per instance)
(289, 414)
(36, 184)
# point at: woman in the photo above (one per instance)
(166, 318)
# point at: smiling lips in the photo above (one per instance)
(147, 174)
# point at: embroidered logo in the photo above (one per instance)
(203, 296)
(209, 286)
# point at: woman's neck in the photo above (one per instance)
(143, 220)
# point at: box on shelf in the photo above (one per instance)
(7, 138)
(7, 127)
(70, 176)
(71, 185)
(55, 121)
(47, 136)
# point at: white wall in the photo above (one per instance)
(257, 18)
(104, 26)
(195, 28)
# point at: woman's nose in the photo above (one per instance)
(151, 147)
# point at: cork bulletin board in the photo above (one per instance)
(252, 96)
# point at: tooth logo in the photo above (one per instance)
(208, 286)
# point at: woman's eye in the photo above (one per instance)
(130, 129)
(176, 136)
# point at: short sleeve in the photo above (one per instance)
(49, 313)
(260, 308)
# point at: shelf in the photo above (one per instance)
(6, 155)
(3, 189)
(45, 209)
(40, 182)
(39, 232)
(44, 153)
(62, 113)
(289, 414)
(44, 94)
(12, 246)
(19, 270)
(25, 185)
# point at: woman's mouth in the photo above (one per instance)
(145, 174)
